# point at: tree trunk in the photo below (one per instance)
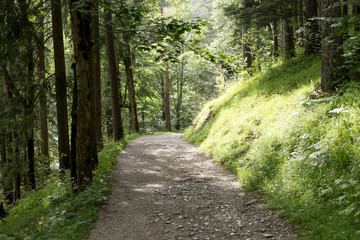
(301, 13)
(30, 159)
(179, 96)
(246, 50)
(331, 46)
(5, 185)
(83, 52)
(131, 89)
(60, 86)
(109, 124)
(29, 110)
(93, 123)
(295, 18)
(118, 130)
(17, 182)
(312, 44)
(43, 115)
(273, 26)
(162, 93)
(10, 88)
(74, 121)
(167, 98)
(97, 79)
(288, 38)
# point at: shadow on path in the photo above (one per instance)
(165, 188)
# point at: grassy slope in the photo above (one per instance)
(280, 137)
(54, 212)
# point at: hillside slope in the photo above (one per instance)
(301, 147)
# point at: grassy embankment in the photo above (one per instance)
(302, 148)
(55, 212)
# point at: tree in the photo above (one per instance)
(179, 90)
(9, 88)
(114, 85)
(166, 98)
(312, 44)
(81, 25)
(127, 59)
(43, 115)
(331, 45)
(246, 51)
(97, 78)
(60, 86)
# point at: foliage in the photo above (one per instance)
(55, 212)
(282, 136)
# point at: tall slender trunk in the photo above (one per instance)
(167, 97)
(5, 186)
(29, 110)
(97, 79)
(301, 16)
(83, 52)
(93, 119)
(131, 89)
(331, 46)
(295, 18)
(246, 50)
(108, 112)
(9, 88)
(179, 96)
(43, 115)
(29, 100)
(273, 26)
(162, 93)
(288, 38)
(2, 164)
(74, 120)
(60, 86)
(115, 99)
(312, 44)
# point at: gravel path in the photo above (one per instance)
(165, 188)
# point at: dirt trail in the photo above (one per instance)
(165, 188)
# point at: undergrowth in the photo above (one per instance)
(55, 212)
(282, 136)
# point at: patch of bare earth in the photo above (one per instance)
(165, 188)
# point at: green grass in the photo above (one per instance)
(55, 212)
(279, 136)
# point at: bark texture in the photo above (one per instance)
(131, 89)
(288, 38)
(179, 88)
(60, 86)
(97, 80)
(118, 130)
(43, 114)
(74, 120)
(167, 98)
(331, 46)
(83, 49)
(273, 26)
(9, 89)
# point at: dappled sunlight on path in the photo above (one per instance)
(165, 188)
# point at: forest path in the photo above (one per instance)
(165, 188)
